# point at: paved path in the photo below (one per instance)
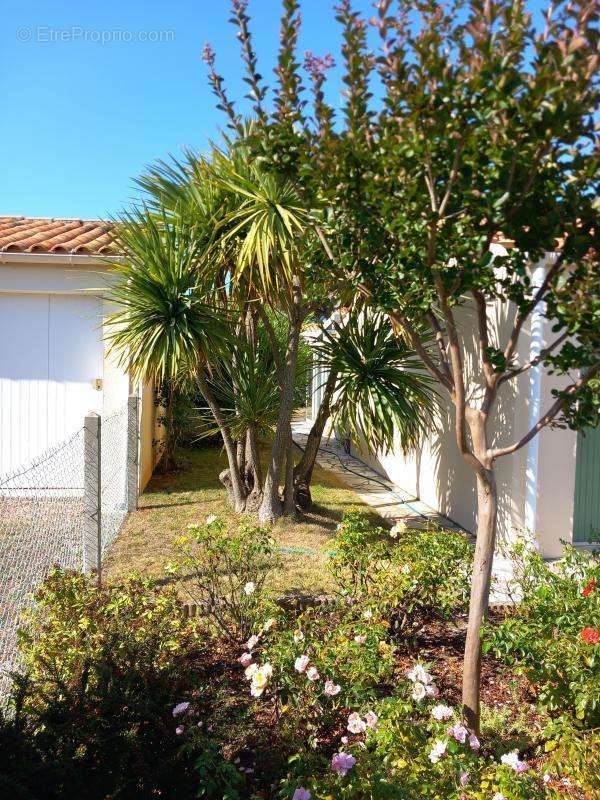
(391, 501)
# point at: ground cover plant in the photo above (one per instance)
(123, 696)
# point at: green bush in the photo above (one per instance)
(224, 571)
(553, 634)
(92, 714)
(414, 750)
(404, 573)
(327, 661)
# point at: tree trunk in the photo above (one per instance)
(289, 504)
(236, 486)
(253, 464)
(241, 455)
(253, 471)
(304, 468)
(167, 462)
(487, 506)
(271, 507)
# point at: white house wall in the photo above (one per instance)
(51, 324)
(438, 475)
(535, 487)
(49, 357)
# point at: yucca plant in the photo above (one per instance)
(376, 390)
(268, 228)
(382, 392)
(167, 326)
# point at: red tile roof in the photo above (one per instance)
(84, 237)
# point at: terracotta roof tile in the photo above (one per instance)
(60, 236)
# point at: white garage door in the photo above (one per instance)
(50, 352)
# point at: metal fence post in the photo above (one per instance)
(133, 458)
(92, 495)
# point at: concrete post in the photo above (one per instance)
(133, 458)
(92, 495)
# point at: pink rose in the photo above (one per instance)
(371, 719)
(360, 638)
(312, 674)
(356, 724)
(458, 732)
(245, 659)
(301, 794)
(179, 730)
(342, 763)
(301, 663)
(180, 708)
(474, 743)
(331, 688)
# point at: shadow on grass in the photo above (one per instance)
(188, 495)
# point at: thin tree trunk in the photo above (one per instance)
(487, 507)
(168, 463)
(271, 507)
(253, 464)
(253, 471)
(241, 454)
(304, 469)
(289, 504)
(238, 493)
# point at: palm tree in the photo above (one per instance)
(376, 389)
(270, 225)
(167, 327)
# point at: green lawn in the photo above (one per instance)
(171, 502)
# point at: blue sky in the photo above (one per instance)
(81, 117)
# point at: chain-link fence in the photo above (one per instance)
(113, 493)
(66, 508)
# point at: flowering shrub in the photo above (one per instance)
(553, 635)
(402, 573)
(416, 749)
(321, 664)
(225, 571)
(107, 683)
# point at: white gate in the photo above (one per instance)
(50, 354)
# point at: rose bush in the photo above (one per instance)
(108, 680)
(224, 571)
(553, 635)
(403, 573)
(415, 749)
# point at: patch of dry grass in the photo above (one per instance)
(170, 502)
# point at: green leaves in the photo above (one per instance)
(383, 393)
(166, 323)
(543, 637)
(267, 222)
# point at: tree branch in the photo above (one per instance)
(484, 339)
(272, 339)
(451, 178)
(522, 316)
(458, 395)
(534, 361)
(401, 322)
(430, 183)
(439, 338)
(551, 414)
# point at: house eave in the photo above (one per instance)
(58, 259)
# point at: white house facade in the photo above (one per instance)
(550, 488)
(54, 365)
